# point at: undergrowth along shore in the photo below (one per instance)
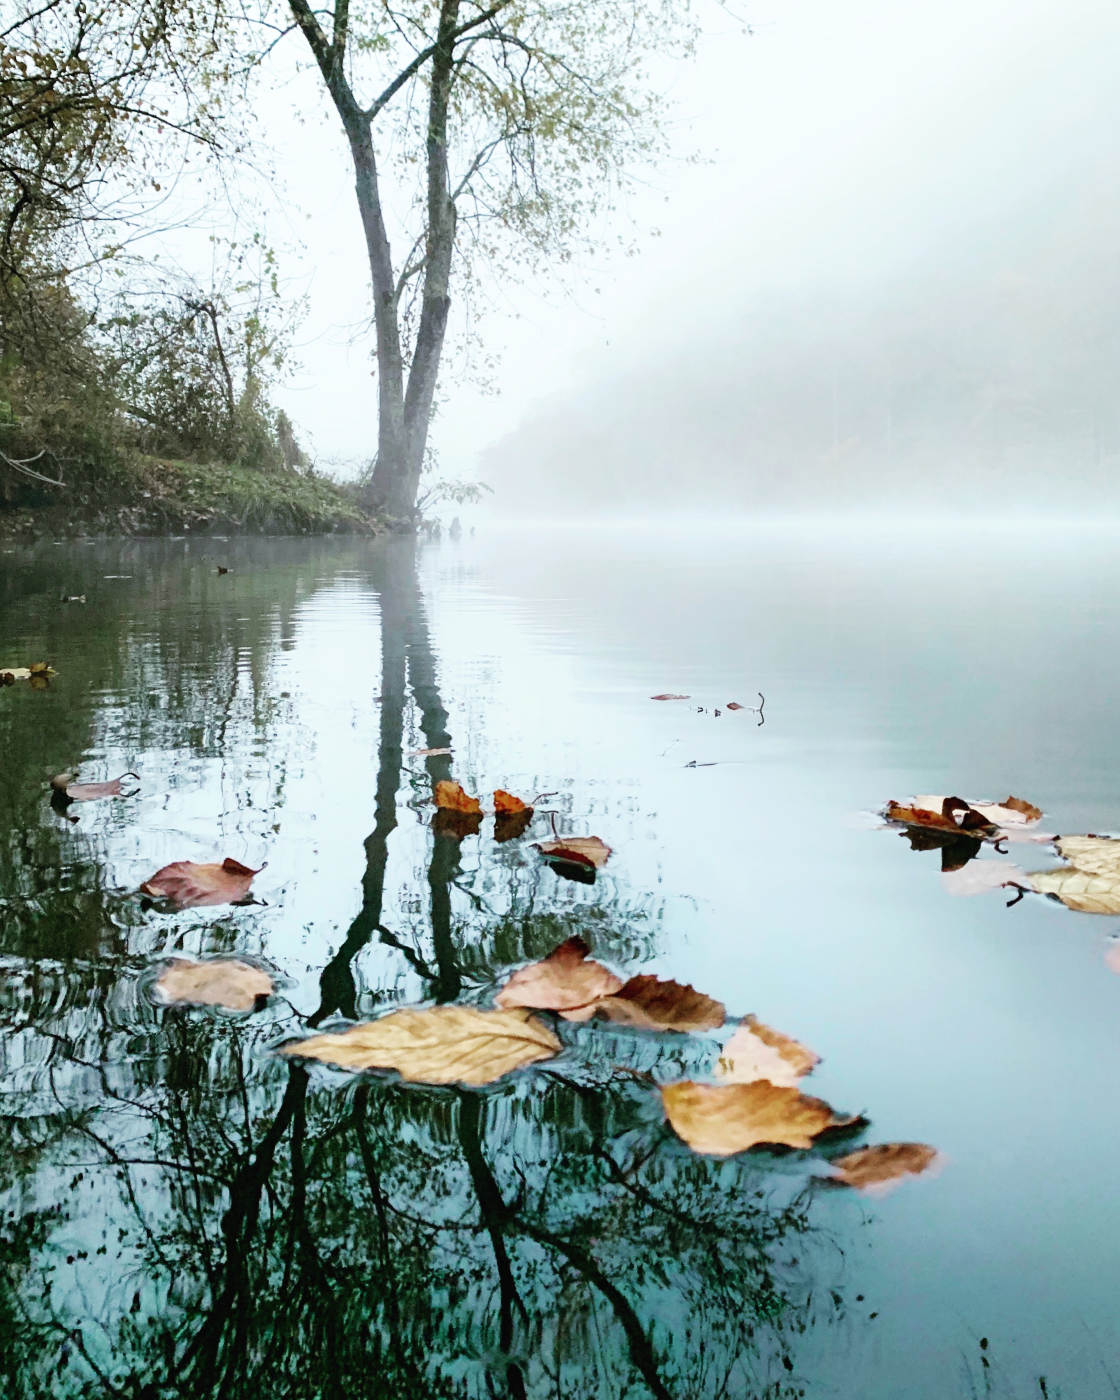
(157, 495)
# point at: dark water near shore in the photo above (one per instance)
(184, 1213)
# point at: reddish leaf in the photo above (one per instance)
(734, 705)
(450, 797)
(667, 696)
(576, 850)
(564, 981)
(188, 884)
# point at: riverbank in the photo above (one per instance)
(158, 496)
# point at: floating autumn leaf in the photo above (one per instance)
(668, 696)
(506, 805)
(756, 1051)
(189, 885)
(952, 814)
(228, 982)
(65, 788)
(720, 1119)
(576, 850)
(879, 1169)
(509, 828)
(1091, 883)
(429, 753)
(457, 825)
(441, 1045)
(734, 705)
(650, 1004)
(450, 797)
(564, 981)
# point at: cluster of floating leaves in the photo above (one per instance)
(38, 675)
(1088, 883)
(458, 815)
(756, 1101)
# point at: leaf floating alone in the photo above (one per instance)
(650, 1004)
(506, 805)
(757, 1052)
(441, 1045)
(238, 986)
(89, 792)
(564, 981)
(450, 797)
(429, 753)
(670, 697)
(723, 1119)
(189, 885)
(734, 705)
(576, 850)
(879, 1169)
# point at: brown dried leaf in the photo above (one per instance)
(879, 1169)
(429, 753)
(450, 797)
(719, 1119)
(238, 986)
(576, 850)
(441, 1045)
(506, 805)
(189, 885)
(563, 981)
(667, 696)
(650, 1004)
(734, 705)
(952, 814)
(756, 1051)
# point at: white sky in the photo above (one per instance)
(838, 139)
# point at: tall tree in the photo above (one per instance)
(523, 117)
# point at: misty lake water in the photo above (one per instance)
(187, 1213)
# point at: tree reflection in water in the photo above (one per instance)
(212, 1221)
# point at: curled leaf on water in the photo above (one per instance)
(721, 1119)
(189, 885)
(756, 1051)
(652, 1004)
(506, 805)
(668, 696)
(438, 1045)
(450, 797)
(456, 825)
(564, 981)
(64, 790)
(879, 1169)
(1013, 818)
(587, 851)
(225, 982)
(510, 827)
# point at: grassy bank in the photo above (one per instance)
(142, 495)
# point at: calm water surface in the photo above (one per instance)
(185, 1213)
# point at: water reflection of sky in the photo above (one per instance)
(889, 667)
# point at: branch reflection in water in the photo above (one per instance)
(205, 1219)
